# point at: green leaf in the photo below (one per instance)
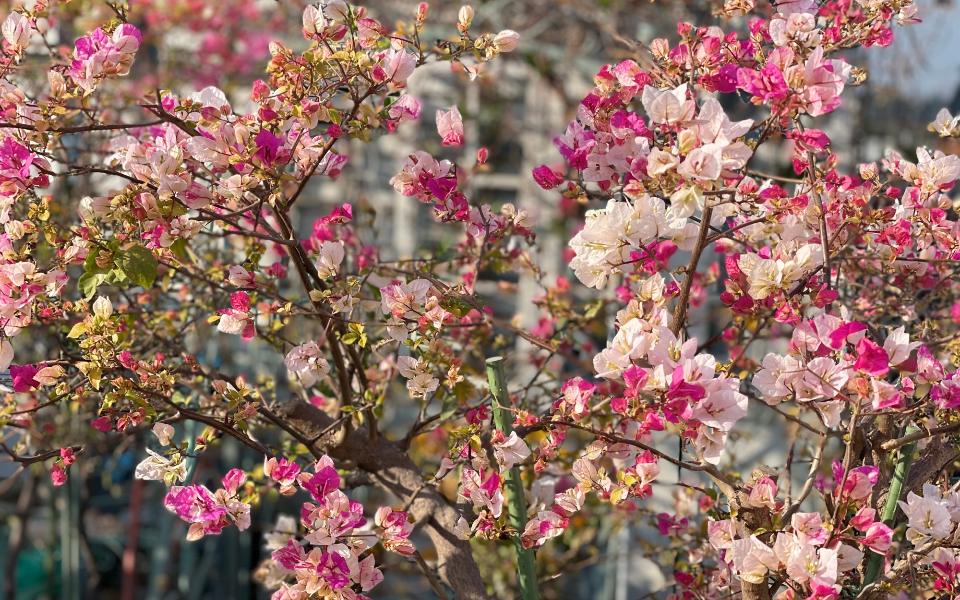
(448, 406)
(179, 248)
(139, 264)
(455, 305)
(88, 282)
(447, 255)
(593, 309)
(95, 375)
(90, 264)
(138, 400)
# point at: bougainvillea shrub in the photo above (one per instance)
(188, 230)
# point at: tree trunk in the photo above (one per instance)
(755, 591)
(752, 518)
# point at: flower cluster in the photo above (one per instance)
(931, 516)
(680, 385)
(209, 512)
(336, 560)
(98, 55)
(307, 363)
(833, 362)
(814, 557)
(158, 467)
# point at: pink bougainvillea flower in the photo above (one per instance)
(450, 126)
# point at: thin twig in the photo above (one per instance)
(808, 484)
(680, 313)
(919, 435)
(434, 583)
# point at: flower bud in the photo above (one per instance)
(16, 30)
(482, 155)
(422, 9)
(195, 532)
(660, 48)
(313, 21)
(102, 307)
(687, 141)
(546, 178)
(269, 466)
(506, 40)
(127, 39)
(337, 10)
(58, 85)
(261, 91)
(465, 18)
(14, 229)
(123, 66)
(276, 48)
(163, 432)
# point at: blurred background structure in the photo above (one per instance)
(106, 536)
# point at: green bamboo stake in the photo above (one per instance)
(516, 505)
(900, 474)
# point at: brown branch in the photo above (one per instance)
(919, 435)
(270, 416)
(680, 313)
(79, 129)
(224, 427)
(774, 177)
(808, 484)
(428, 573)
(703, 467)
(29, 460)
(875, 590)
(821, 213)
